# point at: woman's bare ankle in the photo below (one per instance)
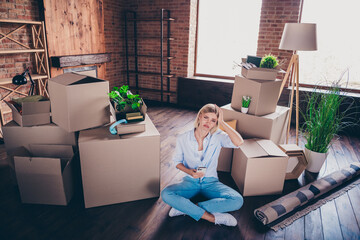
(209, 217)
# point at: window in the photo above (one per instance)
(227, 31)
(338, 43)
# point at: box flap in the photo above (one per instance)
(73, 78)
(252, 149)
(35, 165)
(67, 78)
(290, 148)
(86, 80)
(35, 107)
(271, 148)
(58, 151)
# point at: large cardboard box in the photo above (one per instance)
(259, 168)
(79, 102)
(271, 126)
(44, 174)
(16, 136)
(121, 168)
(33, 113)
(264, 95)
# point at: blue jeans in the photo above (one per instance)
(221, 197)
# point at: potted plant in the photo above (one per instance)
(245, 104)
(322, 121)
(269, 61)
(125, 102)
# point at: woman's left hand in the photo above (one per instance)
(221, 115)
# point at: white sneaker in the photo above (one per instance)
(173, 213)
(225, 219)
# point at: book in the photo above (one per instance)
(132, 127)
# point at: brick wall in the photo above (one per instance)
(180, 10)
(274, 14)
(12, 64)
(114, 43)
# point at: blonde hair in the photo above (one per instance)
(208, 108)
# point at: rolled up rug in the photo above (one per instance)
(290, 202)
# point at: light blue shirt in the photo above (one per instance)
(186, 151)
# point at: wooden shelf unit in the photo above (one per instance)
(38, 47)
(165, 18)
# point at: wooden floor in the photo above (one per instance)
(148, 219)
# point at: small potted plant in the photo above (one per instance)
(245, 104)
(125, 102)
(269, 61)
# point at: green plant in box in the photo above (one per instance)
(269, 61)
(246, 101)
(124, 100)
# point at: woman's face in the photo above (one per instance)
(208, 121)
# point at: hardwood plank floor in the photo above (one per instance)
(148, 219)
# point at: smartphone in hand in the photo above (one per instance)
(201, 169)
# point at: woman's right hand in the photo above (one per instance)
(196, 174)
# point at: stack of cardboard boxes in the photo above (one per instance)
(258, 167)
(113, 168)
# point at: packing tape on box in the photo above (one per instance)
(112, 129)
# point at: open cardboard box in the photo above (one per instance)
(271, 126)
(16, 136)
(79, 102)
(297, 161)
(264, 95)
(118, 169)
(131, 127)
(33, 113)
(259, 167)
(257, 73)
(44, 174)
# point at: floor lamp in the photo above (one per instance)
(296, 37)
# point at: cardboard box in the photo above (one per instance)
(264, 95)
(121, 168)
(44, 174)
(16, 136)
(132, 127)
(259, 168)
(33, 113)
(257, 73)
(272, 126)
(225, 157)
(79, 102)
(297, 160)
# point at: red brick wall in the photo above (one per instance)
(12, 64)
(180, 10)
(113, 29)
(274, 15)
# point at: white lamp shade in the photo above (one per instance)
(299, 36)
